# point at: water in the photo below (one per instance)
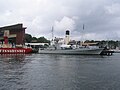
(59, 72)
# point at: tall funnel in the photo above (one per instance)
(67, 37)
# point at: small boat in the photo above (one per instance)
(9, 49)
(15, 50)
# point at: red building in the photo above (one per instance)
(16, 33)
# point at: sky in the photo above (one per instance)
(101, 18)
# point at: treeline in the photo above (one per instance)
(109, 43)
(30, 39)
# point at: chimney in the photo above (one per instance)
(67, 37)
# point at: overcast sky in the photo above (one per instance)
(101, 18)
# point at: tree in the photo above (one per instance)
(28, 38)
(34, 39)
(43, 40)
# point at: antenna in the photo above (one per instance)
(52, 41)
(82, 34)
(83, 27)
(52, 33)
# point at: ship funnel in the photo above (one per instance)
(67, 37)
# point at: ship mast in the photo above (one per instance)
(52, 41)
(52, 33)
(82, 35)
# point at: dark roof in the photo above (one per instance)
(12, 27)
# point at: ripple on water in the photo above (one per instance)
(59, 72)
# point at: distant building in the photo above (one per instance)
(16, 33)
(36, 45)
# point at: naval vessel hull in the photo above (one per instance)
(73, 51)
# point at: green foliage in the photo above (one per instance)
(110, 43)
(34, 38)
(29, 39)
(42, 40)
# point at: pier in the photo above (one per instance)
(107, 52)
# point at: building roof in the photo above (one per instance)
(13, 27)
(36, 44)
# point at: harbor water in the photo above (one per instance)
(59, 72)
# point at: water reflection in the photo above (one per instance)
(12, 71)
(17, 57)
(59, 72)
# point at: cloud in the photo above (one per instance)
(64, 24)
(100, 17)
(113, 9)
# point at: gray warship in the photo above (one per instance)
(64, 48)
